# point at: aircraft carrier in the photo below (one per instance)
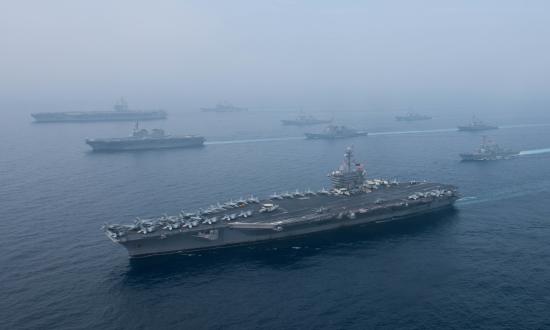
(353, 200)
(142, 139)
(121, 112)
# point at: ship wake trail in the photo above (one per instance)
(506, 193)
(534, 152)
(290, 138)
(438, 130)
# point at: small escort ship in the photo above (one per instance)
(142, 139)
(224, 107)
(489, 151)
(304, 120)
(411, 116)
(332, 132)
(353, 200)
(476, 125)
(120, 112)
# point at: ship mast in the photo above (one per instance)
(348, 156)
(121, 105)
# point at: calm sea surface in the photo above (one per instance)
(486, 265)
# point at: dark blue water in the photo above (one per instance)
(486, 265)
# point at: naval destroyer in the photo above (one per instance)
(120, 112)
(142, 139)
(476, 125)
(224, 107)
(304, 120)
(353, 200)
(489, 151)
(411, 116)
(332, 132)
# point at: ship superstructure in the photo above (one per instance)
(142, 139)
(489, 150)
(120, 112)
(353, 200)
(350, 174)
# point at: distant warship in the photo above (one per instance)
(304, 120)
(224, 107)
(353, 200)
(489, 151)
(142, 139)
(121, 112)
(476, 125)
(336, 132)
(412, 117)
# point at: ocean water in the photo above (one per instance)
(484, 265)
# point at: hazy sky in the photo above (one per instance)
(350, 54)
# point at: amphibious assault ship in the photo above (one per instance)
(410, 116)
(353, 200)
(120, 112)
(476, 125)
(304, 120)
(142, 139)
(224, 107)
(489, 151)
(336, 132)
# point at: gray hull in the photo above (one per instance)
(144, 144)
(229, 237)
(94, 116)
(482, 157)
(295, 217)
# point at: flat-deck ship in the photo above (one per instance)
(121, 112)
(353, 200)
(143, 139)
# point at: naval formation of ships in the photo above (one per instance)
(353, 200)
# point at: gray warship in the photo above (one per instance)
(142, 139)
(489, 151)
(476, 125)
(332, 132)
(353, 200)
(305, 120)
(411, 116)
(120, 112)
(224, 107)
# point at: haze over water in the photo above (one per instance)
(485, 265)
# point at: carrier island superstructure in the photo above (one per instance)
(353, 200)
